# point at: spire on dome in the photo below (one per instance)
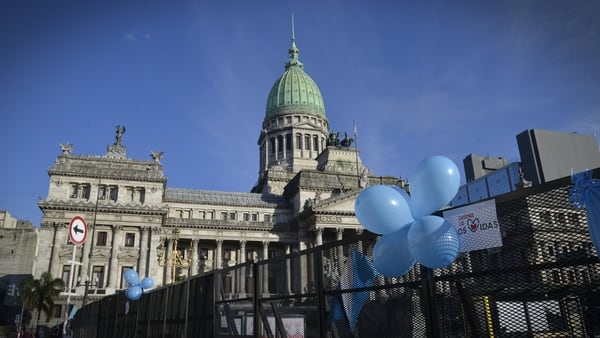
(293, 51)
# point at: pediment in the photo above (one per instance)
(337, 204)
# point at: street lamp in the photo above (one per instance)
(174, 259)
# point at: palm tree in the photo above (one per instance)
(40, 293)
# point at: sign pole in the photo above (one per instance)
(77, 236)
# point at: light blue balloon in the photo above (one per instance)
(390, 254)
(433, 242)
(382, 209)
(433, 184)
(131, 277)
(147, 282)
(133, 292)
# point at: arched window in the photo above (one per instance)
(272, 144)
(298, 141)
(280, 143)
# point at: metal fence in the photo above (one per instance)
(543, 282)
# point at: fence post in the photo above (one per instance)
(255, 300)
(429, 303)
(318, 268)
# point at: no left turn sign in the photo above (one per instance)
(78, 230)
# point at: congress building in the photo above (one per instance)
(307, 182)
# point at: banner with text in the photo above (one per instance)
(477, 225)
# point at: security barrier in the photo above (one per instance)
(544, 281)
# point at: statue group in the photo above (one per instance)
(334, 139)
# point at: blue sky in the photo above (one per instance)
(191, 78)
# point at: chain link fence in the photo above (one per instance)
(544, 281)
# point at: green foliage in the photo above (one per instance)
(39, 294)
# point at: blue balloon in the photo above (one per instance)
(147, 282)
(433, 242)
(390, 254)
(382, 209)
(133, 292)
(131, 277)
(433, 184)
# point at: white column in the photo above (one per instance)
(219, 254)
(242, 270)
(114, 260)
(168, 258)
(319, 236)
(144, 234)
(265, 270)
(194, 265)
(288, 271)
(340, 249)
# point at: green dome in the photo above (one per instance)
(295, 91)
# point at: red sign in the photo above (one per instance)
(78, 230)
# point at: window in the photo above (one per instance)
(80, 191)
(85, 191)
(226, 254)
(307, 142)
(246, 217)
(288, 119)
(272, 145)
(129, 239)
(250, 255)
(254, 217)
(56, 311)
(101, 192)
(66, 274)
(223, 215)
(279, 143)
(123, 281)
(187, 214)
(288, 142)
(267, 218)
(142, 195)
(113, 192)
(74, 190)
(209, 215)
(316, 143)
(203, 253)
(98, 276)
(101, 239)
(298, 141)
(232, 216)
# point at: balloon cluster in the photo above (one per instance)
(135, 286)
(408, 230)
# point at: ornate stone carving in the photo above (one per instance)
(332, 219)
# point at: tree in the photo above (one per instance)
(39, 294)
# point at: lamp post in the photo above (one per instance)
(173, 259)
(91, 254)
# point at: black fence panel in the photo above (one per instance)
(544, 281)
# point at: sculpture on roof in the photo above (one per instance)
(347, 141)
(66, 148)
(120, 131)
(156, 155)
(333, 139)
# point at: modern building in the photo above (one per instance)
(308, 179)
(549, 155)
(18, 242)
(545, 156)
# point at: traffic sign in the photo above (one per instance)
(78, 230)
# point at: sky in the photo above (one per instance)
(191, 79)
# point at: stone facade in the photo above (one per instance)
(307, 184)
